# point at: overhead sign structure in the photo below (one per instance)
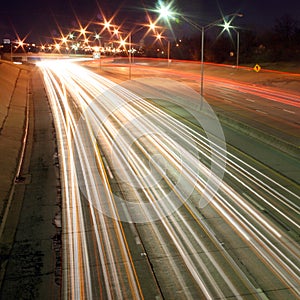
(257, 68)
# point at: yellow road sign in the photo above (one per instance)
(257, 68)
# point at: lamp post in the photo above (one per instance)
(11, 51)
(168, 54)
(226, 26)
(129, 54)
(166, 13)
(159, 36)
(237, 47)
(151, 27)
(98, 38)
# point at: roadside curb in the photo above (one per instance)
(267, 138)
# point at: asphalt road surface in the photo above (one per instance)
(154, 206)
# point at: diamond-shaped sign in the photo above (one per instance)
(257, 68)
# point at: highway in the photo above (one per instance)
(157, 207)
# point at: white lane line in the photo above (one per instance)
(262, 112)
(108, 168)
(137, 240)
(253, 202)
(289, 111)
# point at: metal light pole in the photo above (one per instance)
(202, 29)
(166, 13)
(129, 55)
(11, 51)
(168, 54)
(98, 38)
(130, 45)
(237, 48)
(202, 65)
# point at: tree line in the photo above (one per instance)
(279, 43)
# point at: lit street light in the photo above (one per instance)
(152, 27)
(159, 36)
(226, 26)
(166, 13)
(237, 46)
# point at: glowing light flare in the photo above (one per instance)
(226, 26)
(64, 40)
(165, 11)
(107, 24)
(159, 37)
(21, 43)
(122, 42)
(152, 26)
(57, 46)
(82, 30)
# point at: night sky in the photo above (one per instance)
(38, 17)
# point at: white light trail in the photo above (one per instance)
(96, 118)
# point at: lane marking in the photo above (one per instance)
(253, 202)
(289, 111)
(262, 112)
(137, 240)
(107, 167)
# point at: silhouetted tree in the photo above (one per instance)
(285, 28)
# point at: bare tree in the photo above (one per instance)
(285, 28)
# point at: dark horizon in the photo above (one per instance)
(39, 20)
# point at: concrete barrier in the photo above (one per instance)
(13, 101)
(263, 136)
(8, 78)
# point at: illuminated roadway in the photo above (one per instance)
(144, 216)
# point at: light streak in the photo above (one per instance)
(105, 110)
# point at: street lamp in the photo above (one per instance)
(226, 26)
(237, 46)
(11, 51)
(151, 27)
(159, 36)
(166, 13)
